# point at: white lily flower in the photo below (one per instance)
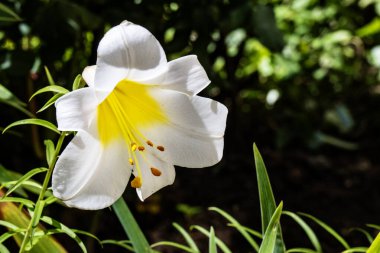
(139, 114)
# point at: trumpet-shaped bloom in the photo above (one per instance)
(139, 115)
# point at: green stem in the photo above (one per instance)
(132, 229)
(30, 228)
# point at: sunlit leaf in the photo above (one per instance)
(49, 151)
(249, 230)
(175, 245)
(49, 77)
(358, 249)
(300, 250)
(50, 102)
(39, 122)
(78, 82)
(375, 246)
(51, 88)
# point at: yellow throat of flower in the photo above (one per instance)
(120, 116)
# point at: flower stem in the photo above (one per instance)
(30, 229)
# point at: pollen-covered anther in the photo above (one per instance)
(161, 148)
(136, 182)
(131, 161)
(149, 143)
(141, 148)
(156, 172)
(133, 146)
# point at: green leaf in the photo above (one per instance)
(37, 213)
(365, 233)
(358, 249)
(64, 229)
(375, 246)
(267, 201)
(223, 247)
(377, 227)
(249, 230)
(330, 230)
(49, 77)
(51, 88)
(233, 221)
(50, 102)
(300, 250)
(3, 249)
(50, 149)
(39, 122)
(24, 178)
(78, 82)
(268, 245)
(309, 232)
(187, 237)
(7, 97)
(173, 244)
(124, 244)
(211, 243)
(7, 15)
(25, 202)
(132, 229)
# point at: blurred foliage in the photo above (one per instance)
(304, 72)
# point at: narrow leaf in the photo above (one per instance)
(375, 246)
(242, 231)
(222, 246)
(132, 229)
(39, 122)
(330, 230)
(6, 14)
(269, 240)
(211, 244)
(267, 201)
(187, 237)
(357, 250)
(51, 88)
(173, 244)
(25, 202)
(249, 230)
(50, 102)
(49, 77)
(24, 178)
(50, 149)
(78, 82)
(309, 232)
(122, 244)
(300, 250)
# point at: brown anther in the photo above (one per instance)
(131, 161)
(141, 148)
(136, 182)
(133, 146)
(149, 143)
(156, 172)
(161, 148)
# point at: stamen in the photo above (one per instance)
(141, 148)
(134, 146)
(131, 161)
(149, 143)
(136, 182)
(156, 172)
(161, 148)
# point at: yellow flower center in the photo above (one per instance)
(128, 108)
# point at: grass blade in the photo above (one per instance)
(329, 229)
(211, 244)
(268, 245)
(187, 237)
(267, 201)
(375, 246)
(132, 229)
(24, 178)
(39, 122)
(235, 223)
(174, 245)
(223, 247)
(309, 232)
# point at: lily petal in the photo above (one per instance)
(88, 75)
(150, 182)
(127, 51)
(89, 176)
(76, 110)
(186, 75)
(193, 135)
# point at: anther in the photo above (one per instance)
(161, 148)
(136, 182)
(156, 172)
(141, 148)
(131, 161)
(149, 143)
(133, 146)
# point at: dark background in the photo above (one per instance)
(319, 138)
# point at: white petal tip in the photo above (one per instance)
(139, 194)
